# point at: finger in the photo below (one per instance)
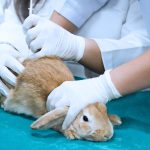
(52, 98)
(14, 53)
(36, 44)
(37, 55)
(31, 21)
(7, 49)
(3, 89)
(50, 101)
(6, 75)
(61, 103)
(71, 115)
(31, 35)
(15, 65)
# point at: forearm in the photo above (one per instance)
(132, 76)
(92, 57)
(63, 22)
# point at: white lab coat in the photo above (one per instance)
(116, 26)
(3, 5)
(144, 5)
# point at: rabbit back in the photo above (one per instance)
(34, 84)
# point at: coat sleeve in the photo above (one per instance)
(11, 32)
(133, 42)
(117, 52)
(3, 5)
(78, 11)
(144, 4)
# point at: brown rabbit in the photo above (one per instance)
(29, 97)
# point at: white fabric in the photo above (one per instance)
(52, 39)
(81, 93)
(107, 22)
(133, 40)
(78, 11)
(11, 31)
(146, 13)
(117, 52)
(3, 5)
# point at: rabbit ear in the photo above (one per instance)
(50, 119)
(115, 120)
(101, 107)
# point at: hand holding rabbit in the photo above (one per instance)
(8, 60)
(79, 94)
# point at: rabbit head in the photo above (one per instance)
(92, 123)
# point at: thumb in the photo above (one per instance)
(30, 22)
(71, 115)
(4, 89)
(37, 55)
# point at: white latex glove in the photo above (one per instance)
(44, 37)
(3, 5)
(8, 61)
(78, 94)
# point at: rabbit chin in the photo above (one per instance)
(98, 135)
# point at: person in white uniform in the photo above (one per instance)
(98, 52)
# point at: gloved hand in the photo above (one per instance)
(44, 37)
(3, 5)
(8, 61)
(78, 94)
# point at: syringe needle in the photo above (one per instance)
(31, 7)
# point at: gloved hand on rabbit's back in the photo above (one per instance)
(29, 96)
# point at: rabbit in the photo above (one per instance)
(29, 97)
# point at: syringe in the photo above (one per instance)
(31, 8)
(30, 13)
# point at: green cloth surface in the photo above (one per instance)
(133, 134)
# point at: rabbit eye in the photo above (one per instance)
(85, 118)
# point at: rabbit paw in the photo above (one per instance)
(71, 135)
